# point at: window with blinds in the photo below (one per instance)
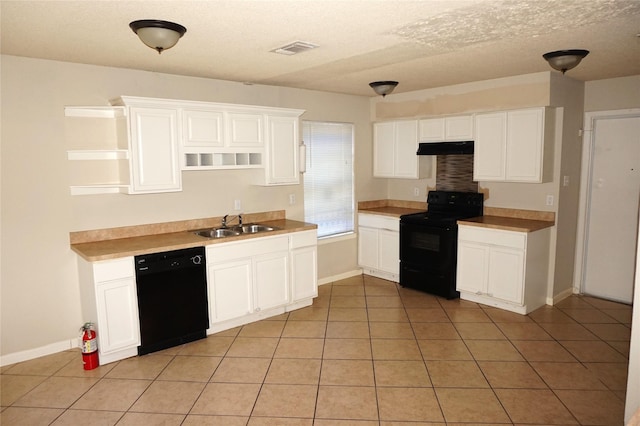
(328, 181)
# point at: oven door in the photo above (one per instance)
(428, 247)
(428, 258)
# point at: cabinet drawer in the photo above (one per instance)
(113, 269)
(242, 249)
(496, 237)
(379, 221)
(303, 239)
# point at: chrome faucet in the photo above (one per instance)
(226, 220)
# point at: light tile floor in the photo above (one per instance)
(368, 352)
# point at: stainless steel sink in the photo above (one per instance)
(254, 228)
(250, 228)
(217, 233)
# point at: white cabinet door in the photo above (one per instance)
(441, 129)
(108, 297)
(155, 165)
(281, 163)
(383, 149)
(389, 251)
(394, 151)
(490, 146)
(432, 129)
(271, 277)
(230, 286)
(506, 274)
(117, 321)
(368, 247)
(202, 128)
(379, 245)
(246, 130)
(473, 267)
(525, 143)
(304, 273)
(510, 145)
(406, 145)
(459, 128)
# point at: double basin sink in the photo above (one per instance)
(234, 231)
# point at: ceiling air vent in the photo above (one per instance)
(295, 47)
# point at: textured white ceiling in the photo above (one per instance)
(422, 44)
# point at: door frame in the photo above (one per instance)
(586, 172)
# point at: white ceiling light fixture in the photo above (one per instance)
(383, 87)
(158, 35)
(564, 60)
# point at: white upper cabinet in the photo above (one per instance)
(395, 144)
(155, 165)
(144, 156)
(202, 128)
(514, 146)
(444, 129)
(147, 142)
(246, 129)
(489, 156)
(281, 163)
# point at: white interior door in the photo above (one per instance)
(612, 210)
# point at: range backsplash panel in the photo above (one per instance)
(455, 173)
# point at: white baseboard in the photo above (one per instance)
(329, 280)
(561, 296)
(38, 352)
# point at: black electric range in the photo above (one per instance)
(429, 241)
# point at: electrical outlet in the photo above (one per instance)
(416, 192)
(549, 200)
(292, 199)
(237, 205)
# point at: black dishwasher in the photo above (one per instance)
(172, 298)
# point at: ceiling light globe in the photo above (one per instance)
(158, 35)
(383, 87)
(564, 60)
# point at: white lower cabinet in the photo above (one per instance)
(258, 278)
(505, 269)
(246, 277)
(109, 300)
(247, 280)
(271, 275)
(229, 285)
(304, 268)
(379, 245)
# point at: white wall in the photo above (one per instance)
(611, 94)
(39, 287)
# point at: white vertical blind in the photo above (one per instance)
(328, 181)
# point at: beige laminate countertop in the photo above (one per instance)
(390, 211)
(146, 244)
(507, 223)
(495, 217)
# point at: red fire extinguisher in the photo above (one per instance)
(89, 346)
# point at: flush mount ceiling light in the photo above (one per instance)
(563, 60)
(158, 35)
(383, 87)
